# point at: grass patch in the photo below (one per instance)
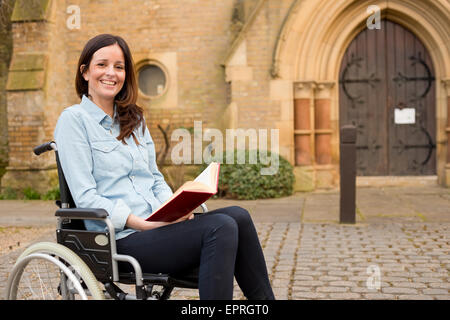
(360, 214)
(421, 216)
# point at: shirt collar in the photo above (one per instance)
(97, 113)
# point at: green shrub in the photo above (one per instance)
(8, 194)
(30, 194)
(245, 181)
(52, 194)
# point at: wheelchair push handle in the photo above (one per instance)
(51, 145)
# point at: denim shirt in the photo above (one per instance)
(102, 172)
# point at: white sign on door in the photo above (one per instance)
(405, 116)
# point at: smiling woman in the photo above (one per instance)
(108, 159)
(106, 75)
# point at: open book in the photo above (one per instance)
(189, 196)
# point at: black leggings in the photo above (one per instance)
(222, 243)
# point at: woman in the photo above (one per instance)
(108, 158)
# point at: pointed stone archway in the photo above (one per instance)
(309, 52)
(385, 75)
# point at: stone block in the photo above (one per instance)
(25, 80)
(28, 61)
(281, 90)
(26, 10)
(326, 177)
(239, 73)
(27, 72)
(41, 181)
(304, 179)
(447, 177)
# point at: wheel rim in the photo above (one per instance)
(38, 277)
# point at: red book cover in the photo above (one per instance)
(181, 205)
(188, 197)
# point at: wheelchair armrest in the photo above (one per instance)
(79, 213)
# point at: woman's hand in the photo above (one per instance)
(189, 216)
(138, 223)
(141, 224)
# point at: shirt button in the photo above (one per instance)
(132, 177)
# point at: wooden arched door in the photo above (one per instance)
(387, 90)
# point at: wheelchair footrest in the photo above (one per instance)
(189, 281)
(114, 291)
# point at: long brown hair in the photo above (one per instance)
(130, 115)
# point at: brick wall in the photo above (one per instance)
(253, 97)
(198, 32)
(257, 96)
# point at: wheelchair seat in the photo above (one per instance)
(98, 249)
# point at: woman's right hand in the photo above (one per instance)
(141, 224)
(189, 216)
(137, 223)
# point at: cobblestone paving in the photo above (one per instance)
(7, 260)
(335, 261)
(331, 261)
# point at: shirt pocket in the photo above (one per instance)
(106, 155)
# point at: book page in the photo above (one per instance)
(206, 176)
(206, 182)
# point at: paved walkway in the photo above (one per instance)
(398, 249)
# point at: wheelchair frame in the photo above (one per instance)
(98, 249)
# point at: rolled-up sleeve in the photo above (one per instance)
(160, 188)
(76, 161)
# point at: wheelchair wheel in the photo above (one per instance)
(50, 271)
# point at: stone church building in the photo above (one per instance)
(304, 67)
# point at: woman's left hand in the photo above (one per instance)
(189, 216)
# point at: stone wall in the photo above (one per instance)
(5, 58)
(26, 96)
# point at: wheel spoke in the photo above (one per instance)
(51, 271)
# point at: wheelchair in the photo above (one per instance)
(85, 264)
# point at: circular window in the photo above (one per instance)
(152, 80)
